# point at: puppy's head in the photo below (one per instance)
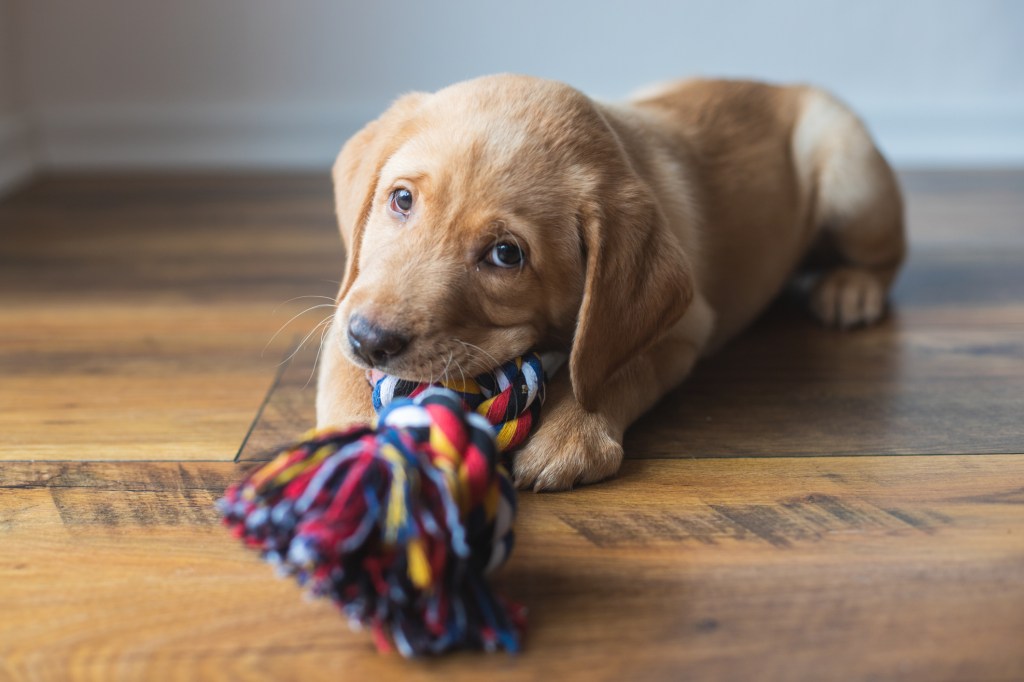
(494, 217)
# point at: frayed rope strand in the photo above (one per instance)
(398, 524)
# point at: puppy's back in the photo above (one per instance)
(735, 137)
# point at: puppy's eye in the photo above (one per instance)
(505, 255)
(401, 201)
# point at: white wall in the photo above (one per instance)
(284, 82)
(16, 153)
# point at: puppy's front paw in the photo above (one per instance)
(848, 297)
(571, 447)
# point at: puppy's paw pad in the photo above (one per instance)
(848, 297)
(559, 459)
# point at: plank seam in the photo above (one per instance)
(627, 459)
(826, 456)
(266, 400)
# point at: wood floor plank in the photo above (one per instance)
(157, 257)
(847, 568)
(224, 238)
(965, 209)
(135, 313)
(289, 409)
(942, 375)
(115, 381)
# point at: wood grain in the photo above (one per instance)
(289, 409)
(770, 569)
(739, 542)
(942, 375)
(135, 313)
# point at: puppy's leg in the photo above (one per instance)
(573, 446)
(857, 207)
(343, 396)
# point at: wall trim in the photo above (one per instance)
(207, 137)
(955, 136)
(17, 160)
(254, 136)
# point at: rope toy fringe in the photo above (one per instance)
(399, 523)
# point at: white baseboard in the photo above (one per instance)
(17, 160)
(254, 137)
(215, 137)
(953, 137)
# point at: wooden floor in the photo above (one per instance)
(811, 506)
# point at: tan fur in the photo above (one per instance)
(655, 230)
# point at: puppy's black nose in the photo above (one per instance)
(373, 343)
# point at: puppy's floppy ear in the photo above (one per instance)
(356, 173)
(638, 284)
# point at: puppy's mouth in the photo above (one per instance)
(457, 361)
(429, 356)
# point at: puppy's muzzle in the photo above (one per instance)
(376, 345)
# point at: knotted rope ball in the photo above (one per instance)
(398, 523)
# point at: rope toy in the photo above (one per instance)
(398, 523)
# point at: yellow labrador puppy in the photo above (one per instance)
(510, 213)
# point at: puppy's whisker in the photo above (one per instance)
(462, 372)
(293, 318)
(469, 356)
(472, 347)
(305, 338)
(447, 366)
(298, 298)
(320, 346)
(325, 323)
(495, 362)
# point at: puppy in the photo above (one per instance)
(510, 213)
